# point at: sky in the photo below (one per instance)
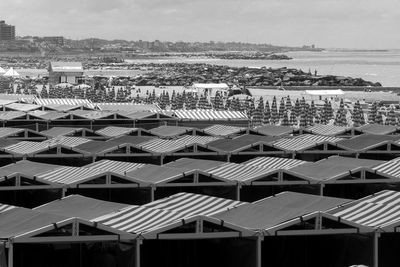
(365, 24)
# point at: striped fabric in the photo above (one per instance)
(26, 147)
(119, 167)
(6, 132)
(189, 204)
(66, 141)
(70, 175)
(238, 172)
(274, 162)
(377, 210)
(112, 131)
(4, 207)
(64, 101)
(22, 107)
(390, 167)
(304, 141)
(165, 211)
(210, 115)
(323, 129)
(223, 130)
(164, 146)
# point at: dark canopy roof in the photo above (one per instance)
(278, 209)
(332, 167)
(26, 167)
(81, 207)
(274, 130)
(365, 141)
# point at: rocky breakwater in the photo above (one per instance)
(249, 56)
(183, 74)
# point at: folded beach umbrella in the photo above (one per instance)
(303, 119)
(288, 103)
(257, 117)
(285, 119)
(391, 118)
(378, 118)
(282, 108)
(261, 104)
(297, 108)
(274, 112)
(267, 113)
(372, 112)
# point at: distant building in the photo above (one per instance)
(7, 32)
(55, 40)
(65, 72)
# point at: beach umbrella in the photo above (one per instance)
(267, 113)
(340, 114)
(282, 108)
(378, 118)
(288, 103)
(310, 116)
(313, 109)
(292, 118)
(391, 118)
(174, 104)
(285, 119)
(258, 113)
(372, 112)
(302, 103)
(317, 119)
(330, 111)
(274, 112)
(297, 108)
(303, 119)
(251, 110)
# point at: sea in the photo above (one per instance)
(376, 66)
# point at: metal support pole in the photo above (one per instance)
(321, 189)
(10, 254)
(238, 187)
(152, 189)
(376, 248)
(259, 239)
(137, 258)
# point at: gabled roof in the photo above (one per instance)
(48, 115)
(224, 130)
(332, 130)
(22, 107)
(12, 115)
(367, 141)
(81, 207)
(69, 131)
(93, 114)
(208, 115)
(153, 174)
(169, 146)
(378, 129)
(332, 168)
(194, 164)
(304, 141)
(26, 168)
(113, 131)
(274, 130)
(274, 162)
(136, 140)
(170, 131)
(119, 167)
(380, 210)
(272, 211)
(176, 208)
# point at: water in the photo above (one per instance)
(383, 67)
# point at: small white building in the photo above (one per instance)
(65, 72)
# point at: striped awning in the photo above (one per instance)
(304, 141)
(223, 130)
(119, 167)
(66, 141)
(47, 115)
(166, 211)
(64, 101)
(26, 147)
(113, 131)
(165, 146)
(390, 167)
(22, 107)
(239, 172)
(5, 207)
(210, 115)
(274, 162)
(378, 210)
(323, 129)
(70, 175)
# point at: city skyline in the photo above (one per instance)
(325, 23)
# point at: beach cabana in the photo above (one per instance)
(226, 131)
(343, 176)
(274, 130)
(55, 236)
(296, 232)
(180, 230)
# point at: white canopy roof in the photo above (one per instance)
(11, 73)
(211, 85)
(325, 92)
(2, 70)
